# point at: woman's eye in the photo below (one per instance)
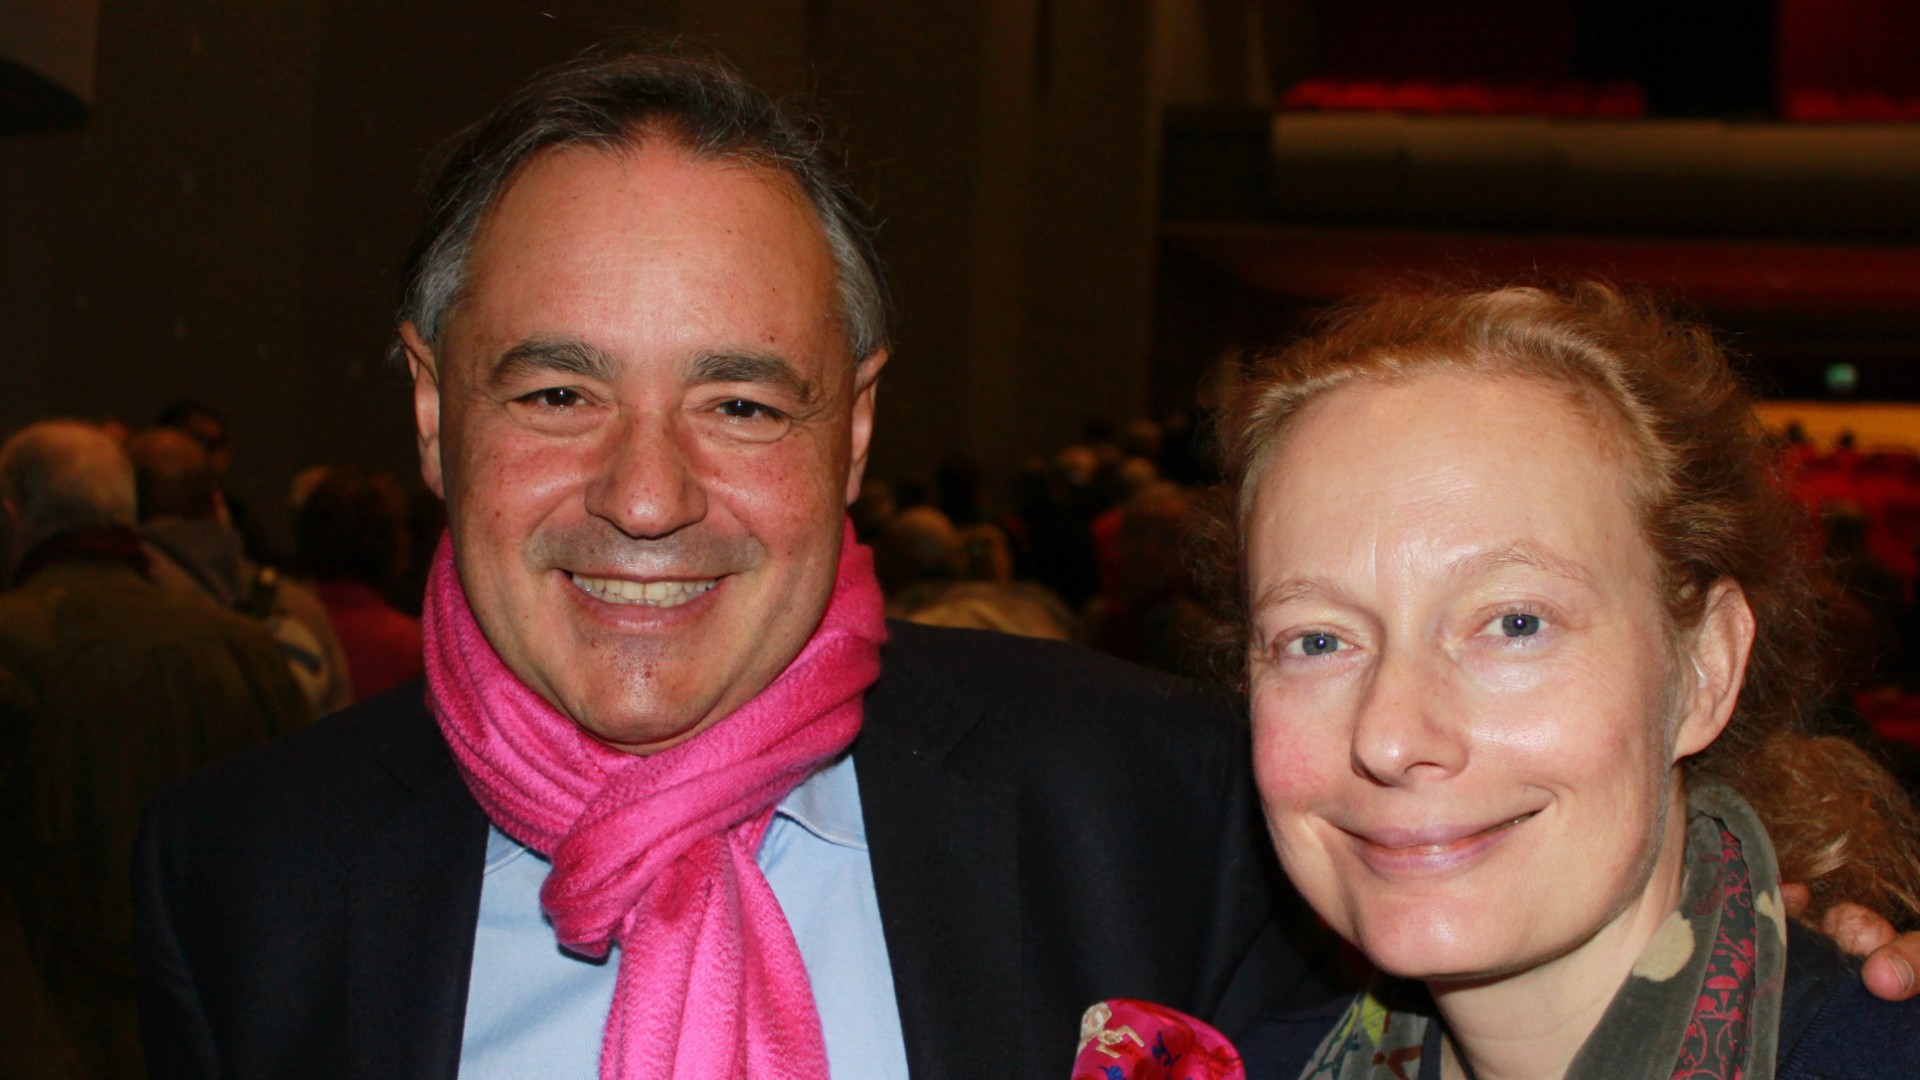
(554, 397)
(1519, 625)
(1316, 644)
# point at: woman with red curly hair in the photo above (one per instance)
(1529, 651)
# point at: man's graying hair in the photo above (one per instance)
(63, 475)
(615, 97)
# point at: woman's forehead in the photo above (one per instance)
(1441, 468)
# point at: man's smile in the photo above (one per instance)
(644, 593)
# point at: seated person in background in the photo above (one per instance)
(351, 529)
(1147, 610)
(194, 550)
(109, 687)
(208, 428)
(918, 550)
(936, 575)
(1529, 653)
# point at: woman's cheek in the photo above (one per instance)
(1296, 746)
(1508, 671)
(1566, 709)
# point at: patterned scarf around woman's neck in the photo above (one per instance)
(656, 854)
(1702, 1002)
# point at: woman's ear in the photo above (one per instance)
(1717, 653)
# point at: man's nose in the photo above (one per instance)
(1410, 726)
(647, 484)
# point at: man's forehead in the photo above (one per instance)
(596, 257)
(650, 201)
(655, 173)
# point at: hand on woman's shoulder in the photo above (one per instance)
(1832, 1027)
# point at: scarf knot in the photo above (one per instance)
(661, 849)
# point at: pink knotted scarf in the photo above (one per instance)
(657, 853)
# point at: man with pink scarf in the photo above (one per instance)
(675, 800)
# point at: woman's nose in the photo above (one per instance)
(1409, 726)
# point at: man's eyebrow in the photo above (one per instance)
(541, 356)
(754, 366)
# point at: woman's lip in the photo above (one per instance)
(1432, 849)
(1434, 835)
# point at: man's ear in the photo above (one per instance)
(425, 369)
(1717, 656)
(866, 386)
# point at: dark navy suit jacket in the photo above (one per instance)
(1047, 828)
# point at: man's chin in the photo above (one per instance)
(642, 735)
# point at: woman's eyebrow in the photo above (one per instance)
(1520, 553)
(1301, 587)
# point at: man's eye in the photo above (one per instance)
(1315, 645)
(554, 397)
(742, 409)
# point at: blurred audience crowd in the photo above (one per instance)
(147, 628)
(1867, 544)
(1093, 544)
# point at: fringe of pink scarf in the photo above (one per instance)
(657, 853)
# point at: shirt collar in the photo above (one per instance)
(826, 804)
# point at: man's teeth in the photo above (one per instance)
(646, 593)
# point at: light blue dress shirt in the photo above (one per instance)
(537, 1010)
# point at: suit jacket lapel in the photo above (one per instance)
(945, 864)
(414, 903)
